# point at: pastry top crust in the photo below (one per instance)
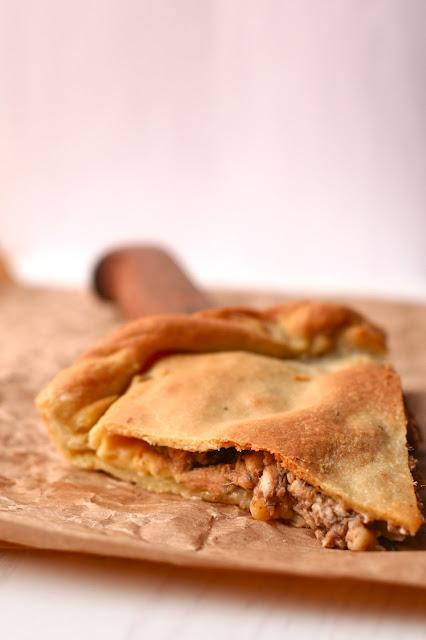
(323, 447)
(295, 329)
(78, 396)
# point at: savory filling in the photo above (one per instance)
(255, 481)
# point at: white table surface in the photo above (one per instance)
(59, 596)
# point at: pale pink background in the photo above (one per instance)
(274, 143)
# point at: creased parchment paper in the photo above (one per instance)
(45, 503)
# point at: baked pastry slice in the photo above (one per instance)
(290, 413)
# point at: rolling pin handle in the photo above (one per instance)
(146, 280)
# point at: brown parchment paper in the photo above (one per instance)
(45, 503)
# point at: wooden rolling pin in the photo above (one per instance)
(145, 280)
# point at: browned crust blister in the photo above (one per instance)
(78, 397)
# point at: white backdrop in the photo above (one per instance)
(276, 143)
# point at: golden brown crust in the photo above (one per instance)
(73, 402)
(334, 436)
(289, 330)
